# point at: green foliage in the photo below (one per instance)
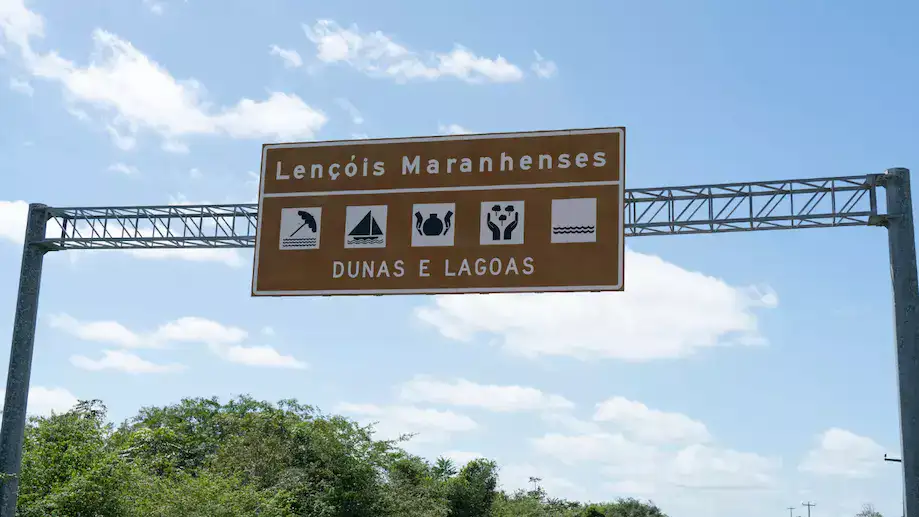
(471, 493)
(533, 503)
(202, 458)
(206, 495)
(868, 511)
(70, 468)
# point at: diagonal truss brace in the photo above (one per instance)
(721, 208)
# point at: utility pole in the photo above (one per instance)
(808, 505)
(791, 509)
(903, 274)
(12, 431)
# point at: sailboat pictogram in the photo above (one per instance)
(367, 231)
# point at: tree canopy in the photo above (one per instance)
(868, 511)
(201, 457)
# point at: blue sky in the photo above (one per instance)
(743, 372)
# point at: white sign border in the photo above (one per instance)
(450, 290)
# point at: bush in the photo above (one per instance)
(202, 458)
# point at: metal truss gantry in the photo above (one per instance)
(738, 207)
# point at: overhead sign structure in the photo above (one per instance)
(502, 212)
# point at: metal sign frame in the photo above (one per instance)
(721, 208)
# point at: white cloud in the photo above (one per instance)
(353, 112)
(42, 400)
(79, 114)
(174, 147)
(650, 425)
(121, 361)
(283, 117)
(543, 67)
(137, 94)
(570, 423)
(154, 6)
(223, 340)
(631, 463)
(701, 466)
(21, 86)
(360, 136)
(198, 330)
(182, 330)
(110, 332)
(258, 356)
(181, 199)
(516, 476)
(431, 425)
(13, 219)
(18, 24)
(194, 173)
(631, 487)
(452, 129)
(251, 186)
(291, 58)
(119, 139)
(377, 55)
(843, 453)
(665, 312)
(462, 392)
(594, 447)
(653, 450)
(121, 168)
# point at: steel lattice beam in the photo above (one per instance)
(754, 206)
(736, 207)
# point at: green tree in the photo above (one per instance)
(868, 511)
(628, 507)
(521, 503)
(444, 468)
(204, 495)
(69, 467)
(324, 466)
(204, 458)
(415, 488)
(471, 493)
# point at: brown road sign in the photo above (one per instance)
(502, 212)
